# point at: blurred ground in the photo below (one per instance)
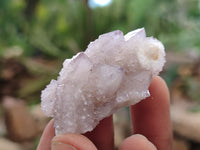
(37, 35)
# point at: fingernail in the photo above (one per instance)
(140, 135)
(143, 137)
(61, 146)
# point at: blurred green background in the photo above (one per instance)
(37, 35)
(40, 34)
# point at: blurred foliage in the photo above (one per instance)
(61, 28)
(171, 75)
(55, 30)
(186, 82)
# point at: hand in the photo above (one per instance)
(151, 128)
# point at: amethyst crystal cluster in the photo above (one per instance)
(114, 71)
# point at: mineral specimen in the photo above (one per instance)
(114, 71)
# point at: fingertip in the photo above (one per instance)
(159, 84)
(72, 141)
(48, 134)
(137, 142)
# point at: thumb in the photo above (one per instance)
(137, 142)
(71, 142)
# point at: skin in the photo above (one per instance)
(150, 120)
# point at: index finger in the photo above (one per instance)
(151, 117)
(47, 136)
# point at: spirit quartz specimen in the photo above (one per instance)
(114, 71)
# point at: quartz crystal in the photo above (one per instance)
(114, 71)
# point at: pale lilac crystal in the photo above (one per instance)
(114, 71)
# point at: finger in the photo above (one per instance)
(48, 134)
(137, 142)
(151, 116)
(103, 135)
(72, 141)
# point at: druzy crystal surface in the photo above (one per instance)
(114, 71)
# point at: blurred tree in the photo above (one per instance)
(30, 8)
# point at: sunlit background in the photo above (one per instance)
(37, 35)
(99, 3)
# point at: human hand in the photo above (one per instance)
(151, 128)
